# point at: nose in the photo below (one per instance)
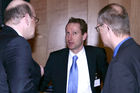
(69, 37)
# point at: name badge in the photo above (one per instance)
(96, 82)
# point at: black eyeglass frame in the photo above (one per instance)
(36, 19)
(97, 27)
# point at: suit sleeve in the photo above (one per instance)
(48, 69)
(19, 65)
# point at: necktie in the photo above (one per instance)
(73, 77)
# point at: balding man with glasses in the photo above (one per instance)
(19, 73)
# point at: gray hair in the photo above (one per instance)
(116, 17)
(16, 13)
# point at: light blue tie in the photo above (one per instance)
(73, 77)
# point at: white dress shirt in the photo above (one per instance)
(83, 73)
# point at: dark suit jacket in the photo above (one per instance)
(56, 68)
(19, 73)
(123, 74)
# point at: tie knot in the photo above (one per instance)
(75, 58)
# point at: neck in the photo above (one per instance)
(117, 40)
(75, 51)
(17, 28)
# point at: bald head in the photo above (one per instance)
(117, 8)
(17, 10)
(15, 3)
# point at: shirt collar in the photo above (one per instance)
(78, 54)
(118, 46)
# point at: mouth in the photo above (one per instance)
(70, 43)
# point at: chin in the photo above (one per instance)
(30, 37)
(70, 47)
(106, 45)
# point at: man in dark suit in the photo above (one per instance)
(19, 73)
(123, 75)
(91, 60)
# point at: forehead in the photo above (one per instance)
(73, 26)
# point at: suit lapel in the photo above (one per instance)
(91, 65)
(65, 64)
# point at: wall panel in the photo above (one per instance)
(93, 8)
(78, 8)
(135, 20)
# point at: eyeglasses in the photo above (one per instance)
(97, 27)
(36, 19)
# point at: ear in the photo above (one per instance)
(27, 19)
(109, 31)
(107, 27)
(84, 36)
